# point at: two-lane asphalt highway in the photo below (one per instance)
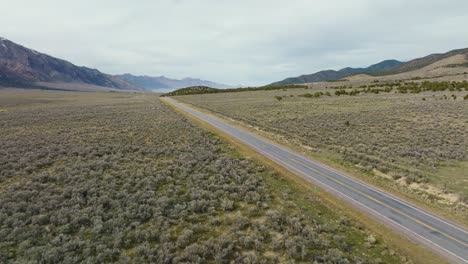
(447, 239)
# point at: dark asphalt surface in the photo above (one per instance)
(445, 238)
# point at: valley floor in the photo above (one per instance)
(115, 177)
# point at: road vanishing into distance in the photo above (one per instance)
(440, 236)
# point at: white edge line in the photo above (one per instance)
(372, 210)
(351, 199)
(305, 174)
(371, 187)
(341, 174)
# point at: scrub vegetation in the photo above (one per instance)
(404, 133)
(209, 90)
(113, 177)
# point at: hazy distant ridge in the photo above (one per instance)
(164, 83)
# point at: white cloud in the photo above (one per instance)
(246, 42)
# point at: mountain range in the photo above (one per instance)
(384, 68)
(331, 75)
(419, 63)
(167, 84)
(20, 66)
(27, 68)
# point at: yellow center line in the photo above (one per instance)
(378, 201)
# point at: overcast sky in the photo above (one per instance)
(251, 42)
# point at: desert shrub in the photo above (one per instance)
(314, 95)
(124, 178)
(341, 92)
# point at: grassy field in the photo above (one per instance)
(415, 141)
(114, 177)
